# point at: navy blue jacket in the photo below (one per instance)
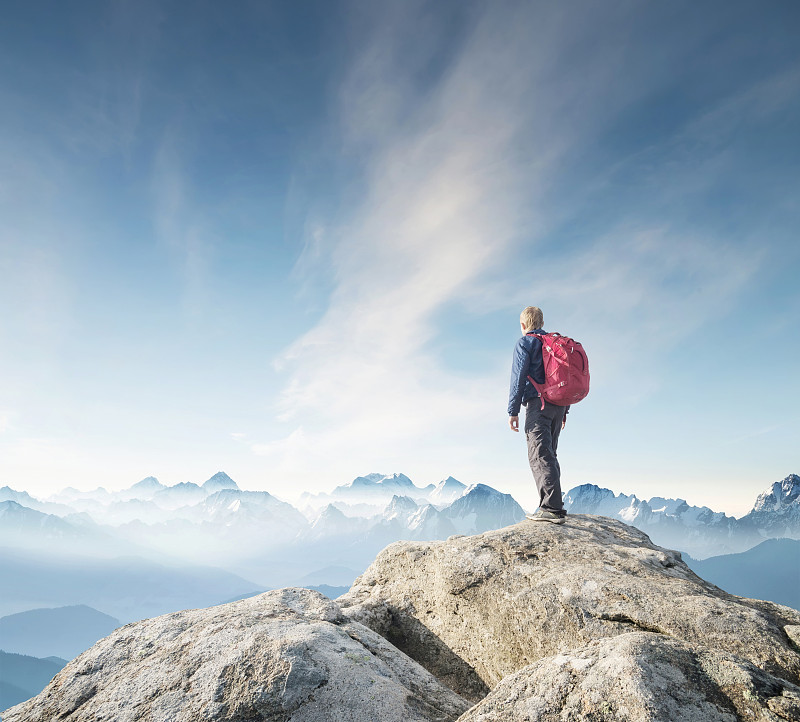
(527, 362)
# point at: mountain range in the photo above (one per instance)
(252, 533)
(153, 548)
(216, 521)
(699, 531)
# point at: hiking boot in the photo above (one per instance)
(553, 517)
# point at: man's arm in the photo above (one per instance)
(519, 374)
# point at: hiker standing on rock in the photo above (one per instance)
(543, 420)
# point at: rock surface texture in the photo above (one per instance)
(640, 676)
(533, 622)
(283, 655)
(473, 610)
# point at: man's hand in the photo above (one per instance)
(564, 422)
(513, 422)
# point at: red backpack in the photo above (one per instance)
(566, 370)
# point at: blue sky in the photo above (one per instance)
(292, 240)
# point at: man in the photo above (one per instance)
(542, 425)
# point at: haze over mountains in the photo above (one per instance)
(100, 546)
(153, 548)
(217, 521)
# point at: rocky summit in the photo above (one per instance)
(584, 621)
(474, 610)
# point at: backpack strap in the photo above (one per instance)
(539, 387)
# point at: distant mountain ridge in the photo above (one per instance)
(751, 573)
(262, 538)
(697, 530)
(253, 533)
(371, 490)
(447, 491)
(62, 632)
(25, 499)
(23, 676)
(127, 588)
(218, 482)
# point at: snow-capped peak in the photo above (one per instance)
(781, 495)
(400, 507)
(21, 497)
(143, 490)
(447, 491)
(481, 507)
(592, 499)
(381, 481)
(149, 483)
(218, 482)
(331, 522)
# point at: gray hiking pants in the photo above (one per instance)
(542, 427)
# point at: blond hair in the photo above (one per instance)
(532, 317)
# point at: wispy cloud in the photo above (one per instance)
(762, 431)
(447, 176)
(181, 225)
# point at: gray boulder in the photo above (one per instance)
(283, 655)
(473, 610)
(640, 677)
